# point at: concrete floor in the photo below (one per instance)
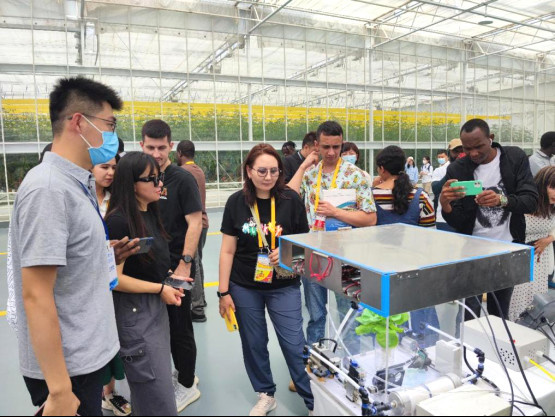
(225, 387)
(224, 384)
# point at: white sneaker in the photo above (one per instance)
(264, 406)
(184, 397)
(116, 404)
(175, 376)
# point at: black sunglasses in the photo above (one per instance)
(155, 179)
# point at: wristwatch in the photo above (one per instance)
(504, 201)
(187, 259)
(222, 294)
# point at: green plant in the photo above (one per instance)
(372, 323)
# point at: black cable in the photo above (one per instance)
(546, 335)
(552, 331)
(519, 410)
(539, 407)
(503, 364)
(517, 356)
(466, 361)
(549, 359)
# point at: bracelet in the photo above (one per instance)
(162, 289)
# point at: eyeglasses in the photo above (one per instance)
(263, 172)
(111, 123)
(155, 179)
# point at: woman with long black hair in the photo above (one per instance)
(397, 201)
(141, 296)
(254, 219)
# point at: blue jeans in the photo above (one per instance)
(350, 338)
(425, 316)
(285, 310)
(316, 298)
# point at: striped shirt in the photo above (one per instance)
(384, 199)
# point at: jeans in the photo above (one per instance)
(504, 298)
(422, 317)
(197, 292)
(87, 388)
(445, 227)
(316, 299)
(285, 309)
(350, 338)
(183, 346)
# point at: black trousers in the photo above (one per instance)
(87, 388)
(183, 346)
(504, 297)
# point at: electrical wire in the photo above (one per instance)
(519, 410)
(539, 407)
(549, 359)
(517, 356)
(541, 368)
(501, 361)
(546, 335)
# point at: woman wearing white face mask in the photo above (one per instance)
(351, 153)
(426, 174)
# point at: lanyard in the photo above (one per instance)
(190, 163)
(319, 184)
(272, 225)
(97, 208)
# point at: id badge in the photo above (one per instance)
(264, 271)
(111, 262)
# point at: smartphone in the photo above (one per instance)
(145, 244)
(232, 325)
(179, 283)
(471, 188)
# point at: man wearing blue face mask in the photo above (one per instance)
(63, 264)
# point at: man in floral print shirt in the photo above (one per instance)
(305, 182)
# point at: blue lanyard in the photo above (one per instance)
(97, 208)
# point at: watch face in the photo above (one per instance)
(187, 259)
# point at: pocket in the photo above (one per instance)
(137, 363)
(127, 312)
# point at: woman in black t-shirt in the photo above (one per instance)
(248, 283)
(140, 298)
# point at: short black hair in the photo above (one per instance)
(121, 146)
(310, 139)
(289, 144)
(474, 124)
(350, 146)
(79, 95)
(157, 129)
(548, 139)
(329, 128)
(442, 152)
(186, 148)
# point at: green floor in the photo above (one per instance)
(224, 384)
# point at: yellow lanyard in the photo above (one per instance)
(319, 184)
(271, 226)
(190, 163)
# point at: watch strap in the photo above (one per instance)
(223, 294)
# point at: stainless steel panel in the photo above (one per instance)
(406, 268)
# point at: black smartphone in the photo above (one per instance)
(145, 244)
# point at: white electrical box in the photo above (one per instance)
(527, 341)
(467, 400)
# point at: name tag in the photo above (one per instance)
(111, 262)
(264, 271)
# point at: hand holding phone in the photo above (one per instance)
(145, 245)
(471, 188)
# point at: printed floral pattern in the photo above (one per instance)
(350, 177)
(249, 228)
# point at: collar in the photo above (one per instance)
(301, 157)
(543, 155)
(69, 168)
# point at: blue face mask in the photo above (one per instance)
(350, 158)
(107, 151)
(441, 161)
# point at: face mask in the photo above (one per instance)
(107, 151)
(441, 161)
(350, 158)
(424, 162)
